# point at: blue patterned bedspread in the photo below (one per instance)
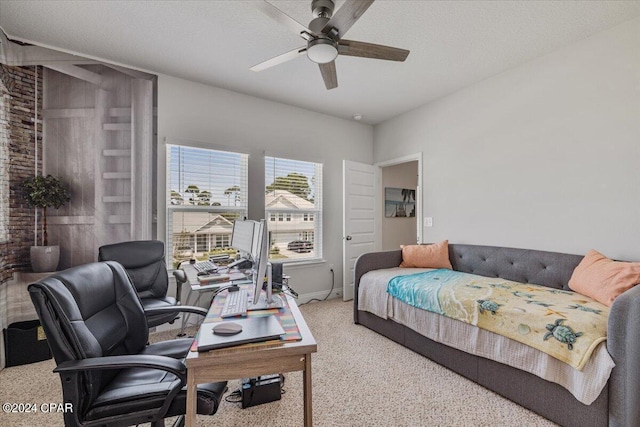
(563, 324)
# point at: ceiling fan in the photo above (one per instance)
(324, 37)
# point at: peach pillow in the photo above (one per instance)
(603, 279)
(426, 256)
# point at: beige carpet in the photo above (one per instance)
(359, 379)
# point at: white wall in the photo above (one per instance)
(543, 156)
(399, 231)
(216, 118)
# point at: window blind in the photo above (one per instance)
(293, 208)
(206, 192)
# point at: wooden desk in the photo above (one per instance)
(242, 362)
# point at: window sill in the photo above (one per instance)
(304, 263)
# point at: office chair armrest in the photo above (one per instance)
(163, 363)
(176, 309)
(181, 277)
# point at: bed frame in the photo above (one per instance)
(619, 402)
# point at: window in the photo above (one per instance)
(223, 240)
(294, 193)
(206, 192)
(201, 243)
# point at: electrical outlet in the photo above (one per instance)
(330, 267)
(428, 221)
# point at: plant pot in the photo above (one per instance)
(45, 258)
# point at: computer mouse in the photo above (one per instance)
(227, 328)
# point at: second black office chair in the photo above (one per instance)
(144, 262)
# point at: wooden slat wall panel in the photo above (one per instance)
(79, 150)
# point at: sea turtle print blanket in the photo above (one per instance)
(564, 324)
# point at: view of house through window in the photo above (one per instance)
(293, 205)
(206, 192)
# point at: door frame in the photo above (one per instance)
(405, 159)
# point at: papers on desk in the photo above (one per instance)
(218, 278)
(213, 278)
(234, 278)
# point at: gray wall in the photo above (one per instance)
(542, 156)
(399, 231)
(210, 117)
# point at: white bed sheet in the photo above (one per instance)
(584, 385)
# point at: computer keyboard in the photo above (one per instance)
(205, 267)
(235, 304)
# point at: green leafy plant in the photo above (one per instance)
(46, 192)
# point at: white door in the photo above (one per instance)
(361, 222)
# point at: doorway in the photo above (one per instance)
(404, 173)
(399, 216)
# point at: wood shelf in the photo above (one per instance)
(116, 126)
(119, 219)
(116, 153)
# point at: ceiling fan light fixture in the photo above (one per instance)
(322, 50)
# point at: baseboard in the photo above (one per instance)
(305, 298)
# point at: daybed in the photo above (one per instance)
(618, 404)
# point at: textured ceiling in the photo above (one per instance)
(453, 44)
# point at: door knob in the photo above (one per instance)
(348, 237)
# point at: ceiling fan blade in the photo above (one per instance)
(370, 50)
(284, 19)
(329, 75)
(346, 16)
(279, 59)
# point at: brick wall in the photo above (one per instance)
(17, 162)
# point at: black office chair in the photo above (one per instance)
(97, 330)
(145, 264)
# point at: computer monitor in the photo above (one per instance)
(242, 236)
(262, 267)
(244, 239)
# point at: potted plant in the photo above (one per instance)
(45, 192)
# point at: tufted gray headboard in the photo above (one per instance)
(550, 269)
(520, 265)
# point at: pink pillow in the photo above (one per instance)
(603, 279)
(426, 256)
